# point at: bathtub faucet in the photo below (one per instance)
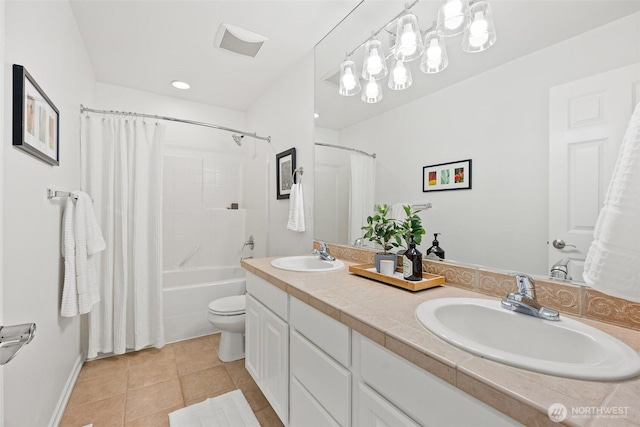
(249, 243)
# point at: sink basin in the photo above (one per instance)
(306, 263)
(566, 348)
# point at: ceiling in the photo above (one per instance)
(522, 27)
(145, 44)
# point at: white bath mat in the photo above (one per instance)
(228, 410)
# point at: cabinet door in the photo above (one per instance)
(275, 363)
(375, 411)
(252, 338)
(305, 410)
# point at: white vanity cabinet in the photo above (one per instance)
(267, 342)
(320, 377)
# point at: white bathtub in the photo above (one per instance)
(187, 294)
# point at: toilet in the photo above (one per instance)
(228, 314)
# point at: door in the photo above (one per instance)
(587, 121)
(252, 338)
(275, 360)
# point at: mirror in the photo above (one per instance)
(491, 107)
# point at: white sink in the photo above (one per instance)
(306, 263)
(566, 348)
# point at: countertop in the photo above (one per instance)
(385, 314)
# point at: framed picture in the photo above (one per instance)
(447, 176)
(36, 120)
(285, 165)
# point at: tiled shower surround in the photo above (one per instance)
(565, 297)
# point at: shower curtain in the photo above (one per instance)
(363, 180)
(121, 160)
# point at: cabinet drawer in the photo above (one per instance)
(326, 380)
(374, 410)
(273, 298)
(327, 333)
(421, 395)
(305, 411)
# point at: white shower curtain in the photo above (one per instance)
(363, 180)
(122, 171)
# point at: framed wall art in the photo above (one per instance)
(36, 120)
(285, 165)
(447, 176)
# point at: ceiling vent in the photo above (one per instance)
(238, 40)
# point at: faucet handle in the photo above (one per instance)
(323, 245)
(526, 284)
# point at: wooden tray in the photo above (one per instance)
(369, 271)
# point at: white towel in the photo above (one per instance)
(81, 238)
(296, 209)
(228, 410)
(613, 262)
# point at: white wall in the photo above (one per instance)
(500, 120)
(285, 111)
(2, 141)
(43, 37)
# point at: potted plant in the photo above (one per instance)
(385, 232)
(412, 232)
(411, 228)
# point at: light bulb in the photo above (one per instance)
(453, 14)
(348, 80)
(434, 52)
(478, 34)
(374, 65)
(371, 90)
(408, 40)
(400, 73)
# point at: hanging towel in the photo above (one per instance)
(613, 262)
(296, 209)
(81, 239)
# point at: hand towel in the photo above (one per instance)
(296, 209)
(82, 239)
(613, 262)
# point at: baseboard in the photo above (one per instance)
(66, 392)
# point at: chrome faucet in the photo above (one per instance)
(249, 242)
(524, 301)
(323, 253)
(359, 242)
(559, 270)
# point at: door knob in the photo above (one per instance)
(560, 244)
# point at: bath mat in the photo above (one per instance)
(228, 410)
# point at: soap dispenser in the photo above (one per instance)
(435, 248)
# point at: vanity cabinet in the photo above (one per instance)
(267, 342)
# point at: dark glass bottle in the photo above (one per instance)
(412, 263)
(435, 248)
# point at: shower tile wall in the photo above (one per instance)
(198, 189)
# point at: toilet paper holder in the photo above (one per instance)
(13, 338)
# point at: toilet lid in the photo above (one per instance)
(228, 305)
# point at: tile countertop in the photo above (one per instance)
(385, 314)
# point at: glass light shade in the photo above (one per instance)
(408, 38)
(372, 91)
(349, 79)
(374, 64)
(400, 76)
(481, 34)
(434, 58)
(453, 17)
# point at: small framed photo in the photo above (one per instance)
(285, 165)
(36, 120)
(447, 176)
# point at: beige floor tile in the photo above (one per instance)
(97, 368)
(238, 373)
(197, 360)
(268, 418)
(152, 373)
(209, 382)
(154, 398)
(254, 396)
(102, 413)
(159, 419)
(150, 355)
(99, 388)
(196, 345)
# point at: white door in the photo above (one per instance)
(252, 338)
(275, 363)
(587, 121)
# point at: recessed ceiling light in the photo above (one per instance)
(316, 115)
(180, 85)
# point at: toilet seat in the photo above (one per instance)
(228, 306)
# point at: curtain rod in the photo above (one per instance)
(346, 148)
(84, 109)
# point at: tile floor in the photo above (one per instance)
(142, 388)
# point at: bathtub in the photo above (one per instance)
(187, 294)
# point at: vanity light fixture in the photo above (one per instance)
(408, 43)
(180, 85)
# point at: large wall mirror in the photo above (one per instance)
(540, 114)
